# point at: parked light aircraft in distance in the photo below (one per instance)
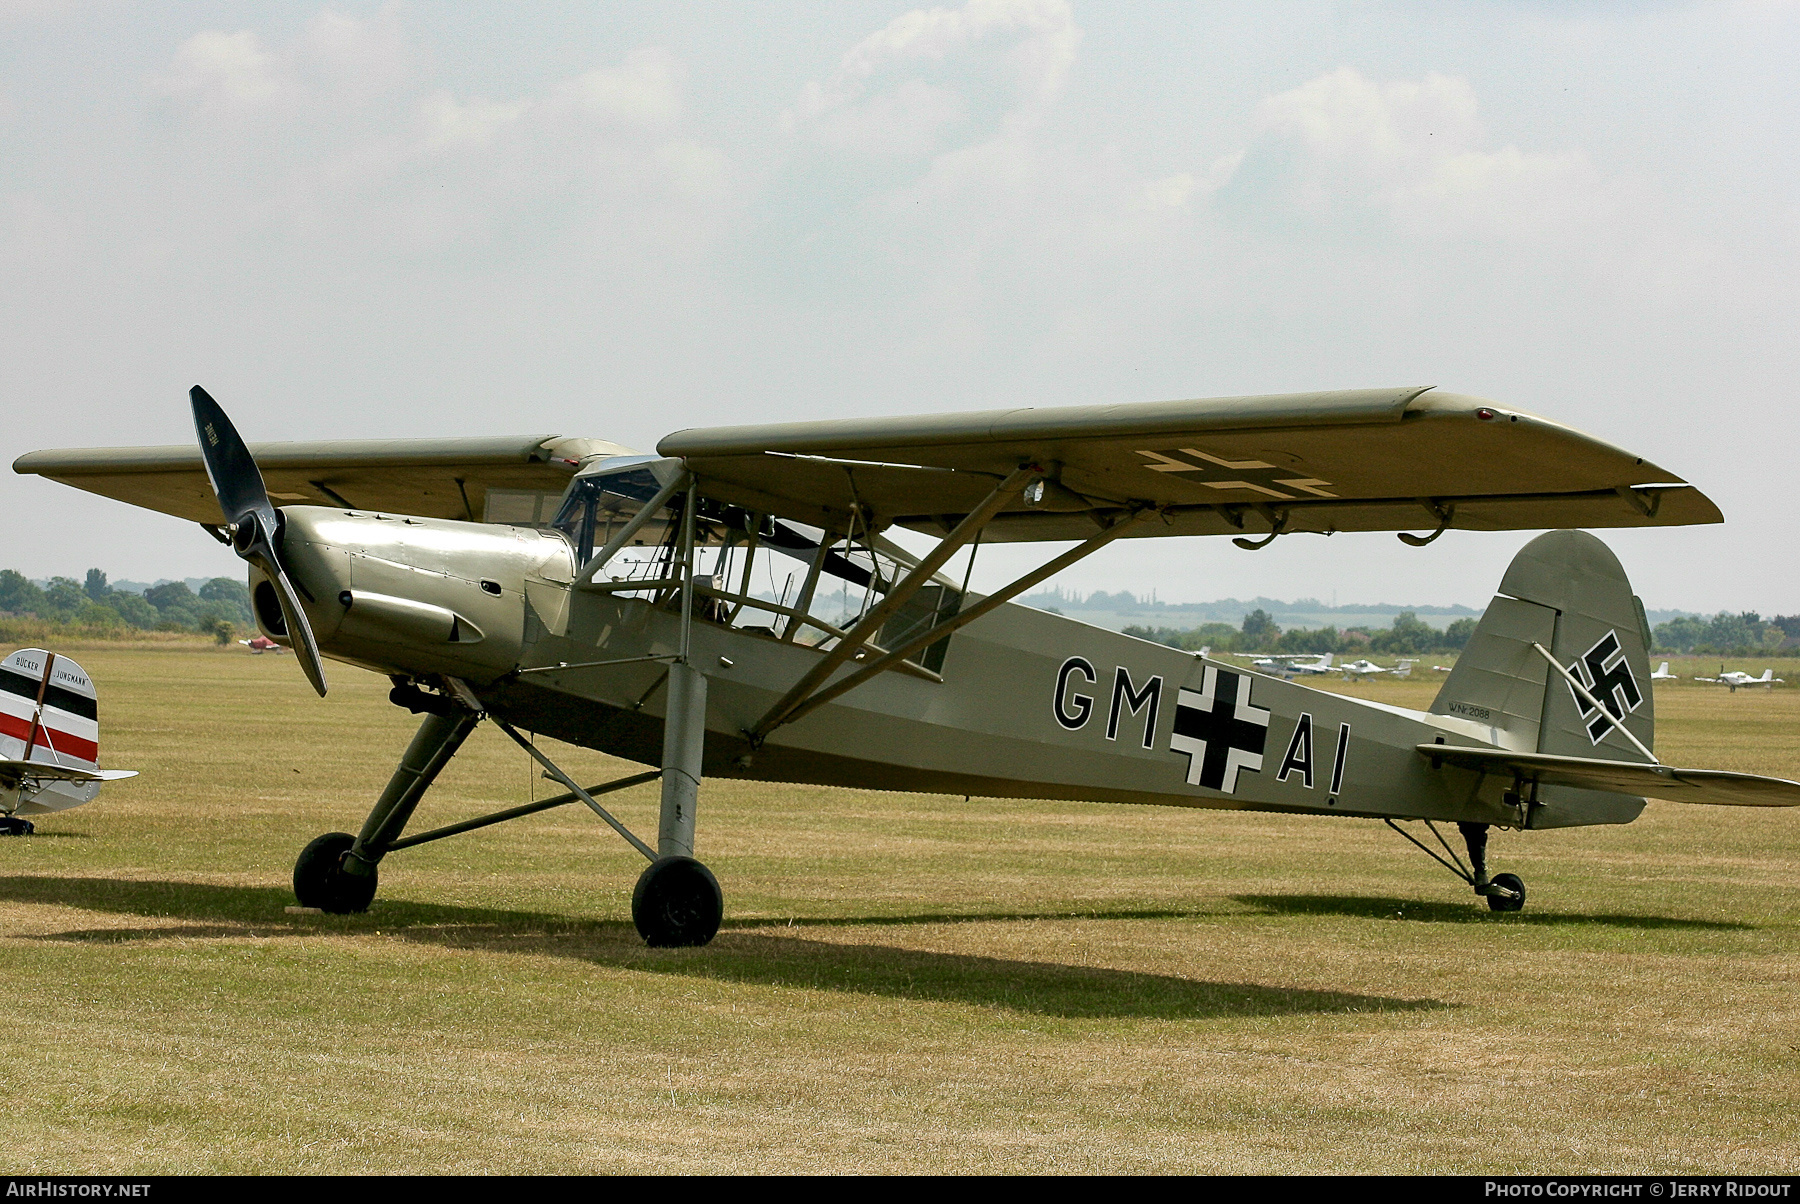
(1359, 669)
(1736, 679)
(573, 588)
(259, 644)
(1662, 673)
(49, 739)
(1290, 664)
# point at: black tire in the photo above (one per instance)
(320, 880)
(1513, 883)
(677, 902)
(12, 825)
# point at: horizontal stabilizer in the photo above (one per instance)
(1715, 786)
(13, 772)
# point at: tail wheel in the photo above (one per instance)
(320, 880)
(1513, 883)
(677, 902)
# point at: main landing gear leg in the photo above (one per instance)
(1504, 892)
(677, 900)
(336, 872)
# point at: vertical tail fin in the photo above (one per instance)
(48, 713)
(1565, 592)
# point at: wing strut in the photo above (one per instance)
(960, 619)
(908, 585)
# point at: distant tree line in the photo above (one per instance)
(1408, 636)
(219, 609)
(1726, 634)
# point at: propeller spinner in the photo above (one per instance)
(254, 524)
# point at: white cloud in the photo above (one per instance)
(643, 92)
(326, 137)
(878, 100)
(475, 122)
(226, 68)
(1343, 150)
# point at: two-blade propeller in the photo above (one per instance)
(252, 520)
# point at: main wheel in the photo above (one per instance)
(677, 902)
(1513, 883)
(12, 825)
(320, 880)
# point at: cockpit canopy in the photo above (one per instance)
(808, 586)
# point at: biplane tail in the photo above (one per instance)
(49, 736)
(1566, 598)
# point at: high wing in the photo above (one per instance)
(1715, 786)
(1361, 460)
(435, 478)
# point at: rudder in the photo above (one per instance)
(1566, 591)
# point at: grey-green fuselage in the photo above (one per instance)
(1030, 705)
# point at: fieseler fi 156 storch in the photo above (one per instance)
(733, 607)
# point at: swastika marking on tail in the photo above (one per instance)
(1606, 672)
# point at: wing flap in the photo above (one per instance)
(1716, 787)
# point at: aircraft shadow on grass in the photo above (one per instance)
(1378, 908)
(756, 957)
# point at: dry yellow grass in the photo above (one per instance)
(905, 982)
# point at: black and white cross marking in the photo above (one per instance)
(1219, 730)
(1606, 672)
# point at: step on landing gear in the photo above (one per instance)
(1503, 892)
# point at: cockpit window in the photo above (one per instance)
(782, 578)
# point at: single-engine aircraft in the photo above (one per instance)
(1291, 664)
(1737, 678)
(733, 607)
(1357, 670)
(1662, 673)
(49, 739)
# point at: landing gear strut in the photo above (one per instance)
(677, 900)
(336, 872)
(1503, 892)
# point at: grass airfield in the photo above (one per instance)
(904, 982)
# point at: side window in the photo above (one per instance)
(924, 610)
(757, 573)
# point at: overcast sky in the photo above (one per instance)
(618, 220)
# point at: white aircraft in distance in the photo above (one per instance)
(1735, 678)
(1357, 670)
(1662, 673)
(49, 739)
(1290, 663)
